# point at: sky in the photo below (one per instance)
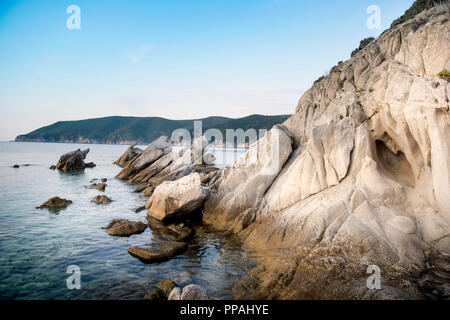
(170, 58)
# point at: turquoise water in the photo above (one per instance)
(37, 246)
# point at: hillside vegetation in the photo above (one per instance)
(123, 130)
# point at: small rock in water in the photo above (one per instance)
(72, 161)
(157, 251)
(194, 292)
(137, 210)
(15, 166)
(101, 200)
(166, 286)
(104, 180)
(52, 167)
(125, 228)
(55, 203)
(90, 165)
(98, 186)
(174, 232)
(175, 294)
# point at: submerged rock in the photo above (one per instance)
(55, 203)
(137, 210)
(125, 228)
(90, 165)
(101, 200)
(175, 199)
(98, 186)
(174, 232)
(157, 251)
(72, 161)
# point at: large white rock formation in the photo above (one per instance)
(363, 176)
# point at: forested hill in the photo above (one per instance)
(124, 130)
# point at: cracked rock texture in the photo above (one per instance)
(358, 176)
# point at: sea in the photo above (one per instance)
(39, 249)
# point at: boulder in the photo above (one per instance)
(72, 161)
(166, 286)
(175, 199)
(194, 292)
(157, 251)
(175, 294)
(125, 228)
(55, 203)
(101, 200)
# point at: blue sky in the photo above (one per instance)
(178, 59)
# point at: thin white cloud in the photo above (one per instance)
(140, 53)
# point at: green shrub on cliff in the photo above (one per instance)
(417, 8)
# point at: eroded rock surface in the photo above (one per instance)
(362, 177)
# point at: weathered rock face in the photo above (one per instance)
(125, 228)
(72, 161)
(174, 199)
(367, 181)
(131, 153)
(245, 184)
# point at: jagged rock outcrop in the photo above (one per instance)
(72, 161)
(363, 176)
(157, 163)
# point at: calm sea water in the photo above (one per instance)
(37, 246)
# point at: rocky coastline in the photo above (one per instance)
(358, 178)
